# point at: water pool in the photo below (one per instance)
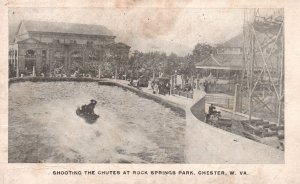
(43, 126)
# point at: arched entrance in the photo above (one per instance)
(59, 59)
(76, 61)
(93, 61)
(30, 60)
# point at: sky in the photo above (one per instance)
(168, 30)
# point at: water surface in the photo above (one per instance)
(43, 126)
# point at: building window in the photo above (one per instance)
(93, 56)
(55, 40)
(9, 56)
(76, 56)
(30, 54)
(76, 61)
(44, 54)
(220, 50)
(237, 50)
(73, 41)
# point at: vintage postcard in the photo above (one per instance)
(140, 92)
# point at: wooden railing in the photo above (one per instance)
(181, 93)
(220, 100)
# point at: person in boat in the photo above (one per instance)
(212, 110)
(89, 109)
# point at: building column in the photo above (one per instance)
(33, 71)
(175, 80)
(197, 81)
(182, 82)
(17, 68)
(67, 60)
(116, 72)
(39, 60)
(192, 82)
(172, 84)
(99, 72)
(13, 61)
(21, 60)
(66, 63)
(51, 60)
(16, 63)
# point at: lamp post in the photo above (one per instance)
(175, 80)
(116, 65)
(99, 71)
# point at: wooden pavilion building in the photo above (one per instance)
(46, 46)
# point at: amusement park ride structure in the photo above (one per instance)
(262, 80)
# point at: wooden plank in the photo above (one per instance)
(277, 128)
(268, 125)
(252, 128)
(224, 122)
(251, 136)
(270, 134)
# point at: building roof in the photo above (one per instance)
(222, 61)
(233, 62)
(61, 27)
(119, 45)
(236, 41)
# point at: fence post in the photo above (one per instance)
(192, 82)
(17, 73)
(171, 84)
(228, 104)
(236, 100)
(182, 82)
(99, 72)
(197, 82)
